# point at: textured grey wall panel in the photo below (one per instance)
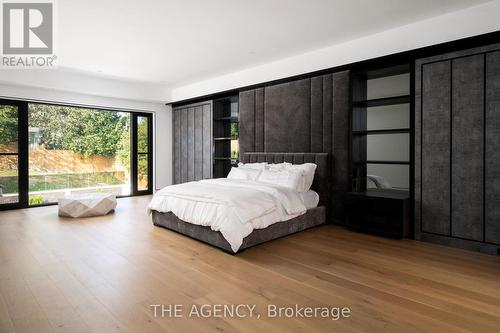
(302, 116)
(492, 183)
(436, 147)
(467, 147)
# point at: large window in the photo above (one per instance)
(9, 154)
(72, 150)
(143, 159)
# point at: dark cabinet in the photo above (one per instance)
(457, 159)
(492, 148)
(385, 213)
(192, 141)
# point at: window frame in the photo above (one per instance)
(23, 149)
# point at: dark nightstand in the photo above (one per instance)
(382, 212)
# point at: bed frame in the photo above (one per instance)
(313, 217)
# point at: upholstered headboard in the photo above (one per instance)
(321, 178)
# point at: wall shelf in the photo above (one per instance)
(374, 123)
(230, 119)
(225, 134)
(382, 131)
(382, 101)
(225, 139)
(388, 162)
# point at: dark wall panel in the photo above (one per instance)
(247, 121)
(467, 123)
(198, 143)
(309, 115)
(190, 146)
(207, 141)
(457, 175)
(328, 95)
(192, 137)
(287, 117)
(336, 139)
(259, 119)
(184, 145)
(492, 138)
(436, 117)
(177, 146)
(316, 114)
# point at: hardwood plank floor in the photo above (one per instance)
(103, 274)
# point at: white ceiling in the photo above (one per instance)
(179, 41)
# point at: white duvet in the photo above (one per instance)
(233, 207)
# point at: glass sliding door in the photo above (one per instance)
(142, 127)
(9, 154)
(48, 151)
(77, 150)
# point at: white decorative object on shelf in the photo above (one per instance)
(88, 204)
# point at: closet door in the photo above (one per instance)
(492, 149)
(192, 142)
(467, 165)
(452, 146)
(457, 148)
(436, 147)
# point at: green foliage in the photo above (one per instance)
(8, 124)
(85, 131)
(234, 131)
(36, 200)
(142, 147)
(142, 135)
(123, 153)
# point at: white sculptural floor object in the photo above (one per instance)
(88, 204)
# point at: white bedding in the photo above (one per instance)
(310, 199)
(233, 207)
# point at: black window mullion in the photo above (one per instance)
(150, 150)
(133, 155)
(23, 151)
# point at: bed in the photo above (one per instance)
(311, 218)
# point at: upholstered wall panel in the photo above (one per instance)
(287, 109)
(247, 121)
(467, 124)
(436, 147)
(316, 114)
(192, 141)
(190, 146)
(198, 142)
(492, 149)
(302, 116)
(177, 147)
(184, 145)
(339, 142)
(259, 119)
(341, 87)
(207, 141)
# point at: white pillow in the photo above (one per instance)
(307, 170)
(279, 166)
(243, 173)
(257, 166)
(286, 178)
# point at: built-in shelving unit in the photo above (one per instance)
(225, 135)
(380, 151)
(380, 128)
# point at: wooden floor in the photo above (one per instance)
(102, 274)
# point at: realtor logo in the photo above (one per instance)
(28, 34)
